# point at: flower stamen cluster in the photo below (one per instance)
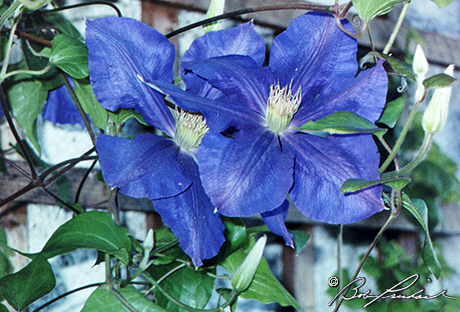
(281, 106)
(190, 129)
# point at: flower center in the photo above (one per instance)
(190, 129)
(282, 106)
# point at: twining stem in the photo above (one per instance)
(80, 108)
(394, 213)
(307, 7)
(401, 138)
(9, 46)
(10, 11)
(339, 256)
(396, 28)
(29, 72)
(421, 154)
(73, 6)
(123, 300)
(33, 5)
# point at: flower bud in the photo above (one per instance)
(435, 115)
(216, 7)
(148, 246)
(420, 67)
(244, 274)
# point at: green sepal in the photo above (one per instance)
(353, 185)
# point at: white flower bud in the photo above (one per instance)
(420, 68)
(435, 115)
(216, 7)
(244, 274)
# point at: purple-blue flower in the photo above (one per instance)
(253, 156)
(124, 56)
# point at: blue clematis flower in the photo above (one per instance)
(262, 157)
(124, 55)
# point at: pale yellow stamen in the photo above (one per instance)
(281, 106)
(190, 129)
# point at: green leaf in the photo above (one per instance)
(368, 9)
(29, 284)
(442, 3)
(70, 55)
(27, 99)
(3, 308)
(342, 123)
(300, 239)
(63, 190)
(392, 112)
(235, 234)
(353, 185)
(264, 287)
(419, 210)
(401, 68)
(89, 103)
(61, 23)
(103, 300)
(439, 80)
(91, 230)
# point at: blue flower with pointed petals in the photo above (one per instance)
(124, 55)
(311, 74)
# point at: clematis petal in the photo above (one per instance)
(220, 114)
(246, 175)
(240, 40)
(146, 166)
(311, 51)
(118, 54)
(364, 95)
(274, 220)
(321, 167)
(239, 76)
(190, 216)
(59, 108)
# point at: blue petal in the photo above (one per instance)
(311, 51)
(322, 165)
(237, 76)
(241, 40)
(275, 222)
(364, 95)
(246, 175)
(190, 215)
(219, 114)
(119, 51)
(147, 166)
(60, 107)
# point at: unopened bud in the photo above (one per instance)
(420, 68)
(148, 246)
(216, 7)
(435, 115)
(244, 274)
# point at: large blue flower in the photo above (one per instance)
(124, 55)
(253, 156)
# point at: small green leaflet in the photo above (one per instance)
(117, 299)
(90, 230)
(29, 284)
(439, 80)
(368, 9)
(353, 185)
(400, 67)
(89, 103)
(442, 3)
(419, 210)
(392, 112)
(342, 123)
(70, 55)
